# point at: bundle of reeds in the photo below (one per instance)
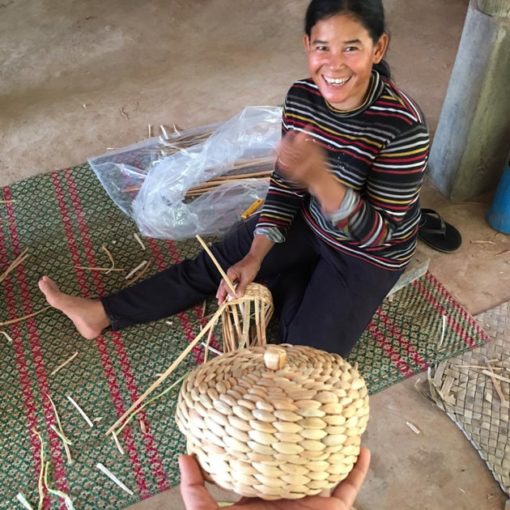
(250, 168)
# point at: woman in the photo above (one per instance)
(340, 220)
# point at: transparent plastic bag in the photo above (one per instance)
(198, 181)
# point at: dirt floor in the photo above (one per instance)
(80, 77)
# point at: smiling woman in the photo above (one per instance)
(340, 220)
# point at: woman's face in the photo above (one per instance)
(340, 58)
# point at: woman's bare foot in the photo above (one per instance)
(88, 315)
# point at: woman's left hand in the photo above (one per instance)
(302, 161)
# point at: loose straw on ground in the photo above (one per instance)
(81, 411)
(164, 132)
(67, 500)
(60, 428)
(440, 344)
(101, 269)
(21, 498)
(169, 370)
(117, 443)
(40, 481)
(110, 257)
(25, 317)
(14, 264)
(141, 274)
(139, 241)
(136, 269)
(9, 339)
(66, 362)
(113, 478)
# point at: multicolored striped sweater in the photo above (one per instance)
(379, 152)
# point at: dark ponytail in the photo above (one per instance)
(369, 13)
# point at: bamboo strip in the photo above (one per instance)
(25, 317)
(141, 274)
(113, 478)
(110, 257)
(139, 241)
(67, 500)
(237, 323)
(496, 376)
(217, 264)
(40, 481)
(207, 344)
(14, 264)
(23, 501)
(7, 336)
(81, 411)
(142, 407)
(117, 443)
(66, 362)
(169, 370)
(252, 209)
(137, 268)
(246, 325)
(101, 269)
(212, 349)
(59, 423)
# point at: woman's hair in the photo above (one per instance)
(369, 13)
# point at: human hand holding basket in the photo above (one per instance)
(274, 422)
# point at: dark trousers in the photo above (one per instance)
(324, 299)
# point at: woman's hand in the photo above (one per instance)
(241, 275)
(301, 160)
(196, 496)
(304, 162)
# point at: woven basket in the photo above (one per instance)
(274, 422)
(245, 319)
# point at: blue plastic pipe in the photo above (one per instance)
(499, 213)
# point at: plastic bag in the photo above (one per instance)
(154, 187)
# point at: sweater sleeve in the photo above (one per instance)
(283, 199)
(392, 188)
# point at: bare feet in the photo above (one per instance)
(88, 315)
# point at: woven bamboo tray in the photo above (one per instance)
(274, 421)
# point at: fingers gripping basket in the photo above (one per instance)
(274, 422)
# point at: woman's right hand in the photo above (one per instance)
(241, 275)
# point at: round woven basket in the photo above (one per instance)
(275, 421)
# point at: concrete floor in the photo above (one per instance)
(70, 69)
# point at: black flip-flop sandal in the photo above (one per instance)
(437, 233)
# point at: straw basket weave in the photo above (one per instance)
(245, 319)
(276, 421)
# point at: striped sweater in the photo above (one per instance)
(379, 151)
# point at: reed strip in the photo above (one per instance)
(217, 264)
(66, 362)
(169, 370)
(25, 317)
(14, 264)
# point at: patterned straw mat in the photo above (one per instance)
(474, 391)
(63, 219)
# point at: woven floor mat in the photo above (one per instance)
(63, 219)
(474, 391)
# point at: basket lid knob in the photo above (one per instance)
(275, 358)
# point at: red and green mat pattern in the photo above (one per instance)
(64, 218)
